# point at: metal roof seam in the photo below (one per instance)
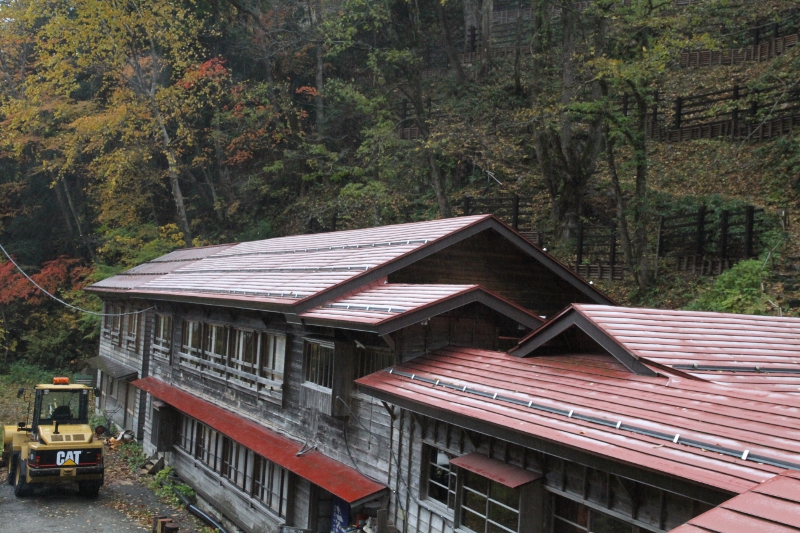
(625, 427)
(607, 389)
(328, 248)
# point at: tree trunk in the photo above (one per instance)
(518, 51)
(78, 225)
(452, 55)
(172, 163)
(320, 71)
(438, 186)
(487, 8)
(471, 18)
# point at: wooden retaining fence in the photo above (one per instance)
(704, 241)
(734, 56)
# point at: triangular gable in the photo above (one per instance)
(572, 332)
(461, 234)
(299, 273)
(393, 308)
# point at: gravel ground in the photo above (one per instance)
(124, 506)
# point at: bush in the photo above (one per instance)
(738, 290)
(133, 455)
(22, 373)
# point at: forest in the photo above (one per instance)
(129, 128)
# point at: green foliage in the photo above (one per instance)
(24, 373)
(164, 485)
(133, 455)
(738, 290)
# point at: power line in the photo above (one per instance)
(59, 300)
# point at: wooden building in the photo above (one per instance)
(604, 420)
(248, 355)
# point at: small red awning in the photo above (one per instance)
(338, 479)
(504, 473)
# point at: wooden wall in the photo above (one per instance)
(490, 260)
(331, 435)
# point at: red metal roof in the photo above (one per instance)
(338, 479)
(772, 507)
(303, 271)
(151, 271)
(382, 302)
(599, 387)
(745, 350)
(287, 269)
(503, 473)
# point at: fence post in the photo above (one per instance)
(465, 207)
(655, 116)
(659, 246)
(701, 229)
(612, 251)
(678, 110)
(579, 251)
(749, 221)
(515, 213)
(723, 235)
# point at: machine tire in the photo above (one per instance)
(12, 467)
(21, 488)
(89, 489)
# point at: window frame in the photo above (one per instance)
(320, 376)
(244, 470)
(163, 329)
(431, 451)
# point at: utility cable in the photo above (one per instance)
(59, 300)
(396, 459)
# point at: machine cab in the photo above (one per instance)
(59, 404)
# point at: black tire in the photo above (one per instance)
(12, 468)
(89, 489)
(21, 488)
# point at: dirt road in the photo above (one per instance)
(124, 506)
(61, 509)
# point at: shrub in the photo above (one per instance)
(738, 290)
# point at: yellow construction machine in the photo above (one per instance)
(58, 446)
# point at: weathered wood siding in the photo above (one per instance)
(491, 261)
(332, 436)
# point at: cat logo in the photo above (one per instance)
(68, 458)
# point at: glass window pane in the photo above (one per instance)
(505, 495)
(475, 501)
(560, 526)
(503, 516)
(602, 523)
(476, 482)
(280, 353)
(571, 510)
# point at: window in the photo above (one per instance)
(488, 506)
(186, 432)
(249, 472)
(270, 484)
(273, 354)
(318, 365)
(371, 359)
(234, 462)
(207, 445)
(242, 366)
(132, 332)
(441, 477)
(112, 324)
(216, 349)
(570, 516)
(191, 343)
(162, 339)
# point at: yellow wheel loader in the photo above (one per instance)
(58, 446)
